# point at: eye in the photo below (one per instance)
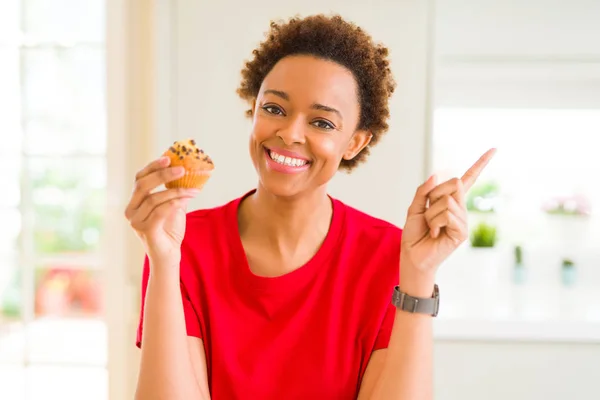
(271, 109)
(322, 124)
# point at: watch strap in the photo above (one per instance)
(419, 305)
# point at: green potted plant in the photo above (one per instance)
(484, 235)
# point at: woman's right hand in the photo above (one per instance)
(158, 218)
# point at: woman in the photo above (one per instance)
(285, 292)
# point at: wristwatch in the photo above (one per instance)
(420, 305)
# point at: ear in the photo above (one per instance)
(359, 140)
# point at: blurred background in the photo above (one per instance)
(91, 90)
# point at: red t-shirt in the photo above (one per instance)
(308, 334)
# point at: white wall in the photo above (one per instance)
(518, 53)
(210, 41)
(516, 371)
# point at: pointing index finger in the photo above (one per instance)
(473, 173)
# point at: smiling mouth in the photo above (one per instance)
(288, 161)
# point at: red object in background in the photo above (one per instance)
(67, 292)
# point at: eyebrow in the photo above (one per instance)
(314, 106)
(278, 93)
(317, 106)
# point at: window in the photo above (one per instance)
(53, 339)
(534, 214)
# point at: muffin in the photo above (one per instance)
(198, 166)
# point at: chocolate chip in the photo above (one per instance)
(172, 149)
(197, 150)
(197, 158)
(193, 142)
(201, 151)
(183, 148)
(181, 157)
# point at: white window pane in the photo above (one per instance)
(69, 291)
(65, 20)
(13, 382)
(10, 165)
(10, 229)
(556, 146)
(546, 201)
(12, 342)
(12, 337)
(10, 114)
(73, 383)
(9, 22)
(64, 100)
(68, 197)
(73, 340)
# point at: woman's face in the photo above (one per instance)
(304, 122)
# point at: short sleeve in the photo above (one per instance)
(385, 331)
(192, 320)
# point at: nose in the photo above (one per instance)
(292, 132)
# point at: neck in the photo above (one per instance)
(286, 225)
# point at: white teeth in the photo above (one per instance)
(292, 162)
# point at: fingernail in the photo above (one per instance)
(164, 160)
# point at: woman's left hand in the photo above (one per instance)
(436, 223)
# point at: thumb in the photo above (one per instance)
(419, 203)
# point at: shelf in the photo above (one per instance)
(517, 330)
(481, 300)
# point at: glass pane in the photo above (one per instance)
(534, 210)
(9, 22)
(11, 175)
(10, 229)
(65, 20)
(10, 289)
(69, 325)
(10, 103)
(68, 292)
(64, 95)
(553, 144)
(12, 338)
(68, 197)
(12, 342)
(13, 382)
(66, 383)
